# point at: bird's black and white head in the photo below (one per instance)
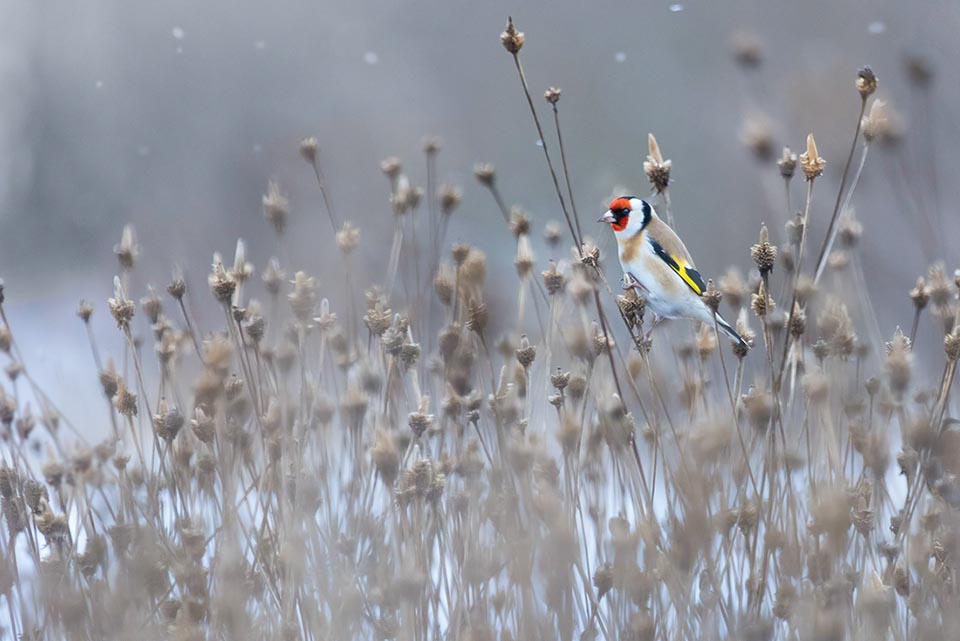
(628, 215)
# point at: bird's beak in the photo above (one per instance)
(607, 218)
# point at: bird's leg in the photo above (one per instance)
(656, 321)
(629, 282)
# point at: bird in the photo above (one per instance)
(658, 266)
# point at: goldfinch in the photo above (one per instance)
(656, 263)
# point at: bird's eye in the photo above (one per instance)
(623, 212)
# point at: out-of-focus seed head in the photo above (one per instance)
(850, 229)
(756, 134)
(303, 298)
(151, 304)
(787, 163)
(866, 82)
(477, 317)
(449, 197)
(431, 145)
(391, 166)
(798, 321)
(525, 259)
(552, 233)
(553, 280)
(747, 49)
(348, 238)
(84, 311)
(308, 149)
(485, 173)
(810, 160)
(177, 288)
(127, 250)
(919, 71)
(124, 400)
(733, 288)
(899, 363)
(276, 207)
(603, 579)
(552, 95)
(519, 222)
(511, 39)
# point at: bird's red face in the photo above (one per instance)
(619, 214)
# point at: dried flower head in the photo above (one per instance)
(449, 197)
(308, 149)
(121, 307)
(763, 253)
(866, 82)
(810, 160)
(84, 311)
(756, 134)
(485, 173)
(127, 249)
(511, 39)
(877, 123)
(519, 222)
(391, 166)
(552, 95)
(656, 168)
(348, 238)
(222, 283)
(553, 280)
(787, 163)
(747, 49)
(276, 207)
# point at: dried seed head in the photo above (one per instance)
(127, 249)
(443, 284)
(121, 307)
(733, 288)
(420, 421)
(866, 82)
(473, 271)
(656, 168)
(386, 457)
(485, 173)
(810, 160)
(167, 422)
(633, 308)
(84, 311)
(759, 405)
(449, 197)
(552, 95)
(919, 71)
(348, 238)
(524, 260)
(221, 281)
(603, 579)
(552, 233)
(837, 329)
(899, 363)
(431, 145)
(6, 339)
(303, 298)
(763, 253)
(391, 166)
(552, 279)
(526, 353)
(519, 222)
(951, 345)
(276, 207)
(850, 229)
(308, 149)
(920, 295)
(459, 252)
(177, 288)
(756, 134)
(941, 291)
(712, 296)
(798, 321)
(761, 303)
(511, 39)
(787, 163)
(876, 124)
(273, 276)
(151, 304)
(747, 49)
(477, 317)
(125, 400)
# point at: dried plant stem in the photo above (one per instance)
(828, 240)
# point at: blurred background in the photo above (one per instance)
(173, 116)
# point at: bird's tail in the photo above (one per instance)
(727, 329)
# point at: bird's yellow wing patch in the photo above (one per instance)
(689, 275)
